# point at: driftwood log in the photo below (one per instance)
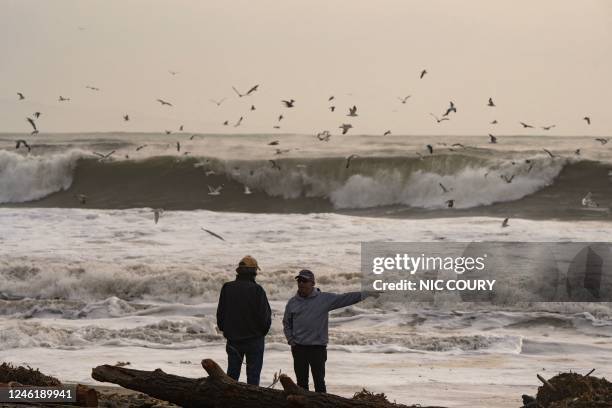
(218, 390)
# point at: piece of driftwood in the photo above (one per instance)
(218, 390)
(545, 382)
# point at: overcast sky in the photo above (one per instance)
(542, 61)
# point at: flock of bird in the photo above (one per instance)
(323, 136)
(290, 103)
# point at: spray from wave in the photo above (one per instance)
(27, 178)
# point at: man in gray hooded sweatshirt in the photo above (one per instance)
(306, 324)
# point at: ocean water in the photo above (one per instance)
(84, 284)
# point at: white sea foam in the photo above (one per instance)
(91, 255)
(27, 178)
(469, 187)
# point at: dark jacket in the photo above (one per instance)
(243, 311)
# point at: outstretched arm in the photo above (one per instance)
(345, 299)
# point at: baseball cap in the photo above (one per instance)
(249, 262)
(306, 274)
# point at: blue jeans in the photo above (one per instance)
(254, 351)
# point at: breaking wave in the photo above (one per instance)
(294, 185)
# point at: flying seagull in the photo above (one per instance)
(331, 98)
(602, 140)
(494, 122)
(215, 191)
(324, 136)
(332, 108)
(275, 165)
(273, 143)
(430, 148)
(178, 146)
(352, 111)
(164, 102)
(423, 72)
(250, 91)
(548, 127)
(22, 142)
(525, 125)
(213, 234)
(588, 119)
(345, 127)
(168, 131)
(404, 99)
(588, 201)
(141, 147)
(388, 132)
(280, 117)
(37, 115)
(239, 122)
(226, 123)
(450, 109)
(505, 223)
(437, 118)
(63, 99)
(82, 198)
(491, 104)
(93, 88)
(289, 103)
(252, 107)
(444, 189)
(218, 103)
(126, 117)
(450, 203)
(348, 159)
(21, 97)
(492, 138)
(31, 121)
(507, 179)
(104, 156)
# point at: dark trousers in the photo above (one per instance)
(313, 356)
(253, 349)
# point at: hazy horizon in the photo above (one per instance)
(544, 63)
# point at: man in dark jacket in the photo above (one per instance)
(244, 317)
(306, 324)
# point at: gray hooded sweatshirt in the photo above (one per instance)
(306, 318)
